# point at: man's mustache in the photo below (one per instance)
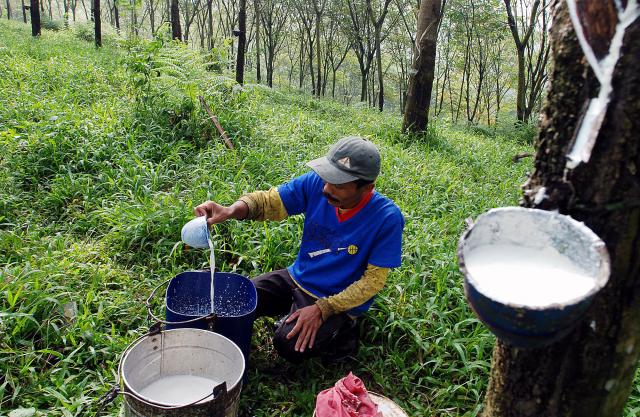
(330, 197)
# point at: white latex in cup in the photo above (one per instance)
(196, 233)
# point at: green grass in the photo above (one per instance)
(103, 155)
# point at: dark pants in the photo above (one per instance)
(278, 295)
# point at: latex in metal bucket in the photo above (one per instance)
(182, 373)
(529, 274)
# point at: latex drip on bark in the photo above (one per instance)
(603, 68)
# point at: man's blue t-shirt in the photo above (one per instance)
(335, 254)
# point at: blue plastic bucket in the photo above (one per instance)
(235, 299)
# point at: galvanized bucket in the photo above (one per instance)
(177, 353)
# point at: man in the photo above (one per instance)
(352, 237)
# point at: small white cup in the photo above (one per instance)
(196, 233)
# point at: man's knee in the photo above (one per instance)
(287, 347)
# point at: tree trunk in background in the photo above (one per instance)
(210, 24)
(242, 40)
(256, 5)
(377, 30)
(176, 30)
(24, 12)
(416, 113)
(521, 42)
(35, 18)
(379, 70)
(152, 17)
(319, 10)
(590, 372)
(97, 20)
(9, 10)
(116, 14)
(66, 13)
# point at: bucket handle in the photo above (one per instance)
(210, 318)
(219, 391)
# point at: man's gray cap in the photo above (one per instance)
(349, 159)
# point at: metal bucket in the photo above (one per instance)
(540, 232)
(178, 353)
(188, 304)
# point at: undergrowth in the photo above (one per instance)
(104, 154)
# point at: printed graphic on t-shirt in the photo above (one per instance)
(351, 250)
(327, 239)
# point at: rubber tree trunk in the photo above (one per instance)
(209, 25)
(520, 94)
(97, 21)
(256, 5)
(318, 22)
(176, 30)
(416, 110)
(590, 372)
(116, 15)
(35, 18)
(242, 40)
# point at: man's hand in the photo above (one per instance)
(216, 213)
(309, 320)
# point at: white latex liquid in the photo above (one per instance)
(526, 276)
(179, 389)
(212, 265)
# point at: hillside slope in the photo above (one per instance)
(104, 153)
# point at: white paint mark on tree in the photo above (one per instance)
(603, 69)
(610, 384)
(540, 196)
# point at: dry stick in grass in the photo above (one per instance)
(520, 156)
(224, 136)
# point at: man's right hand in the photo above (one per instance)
(215, 213)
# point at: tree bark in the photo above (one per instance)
(521, 44)
(24, 12)
(97, 20)
(590, 372)
(66, 13)
(416, 113)
(176, 29)
(242, 40)
(35, 18)
(152, 17)
(209, 25)
(256, 5)
(377, 22)
(116, 14)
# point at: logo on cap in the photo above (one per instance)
(346, 162)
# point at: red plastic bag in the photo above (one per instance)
(347, 398)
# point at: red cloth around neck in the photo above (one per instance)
(346, 215)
